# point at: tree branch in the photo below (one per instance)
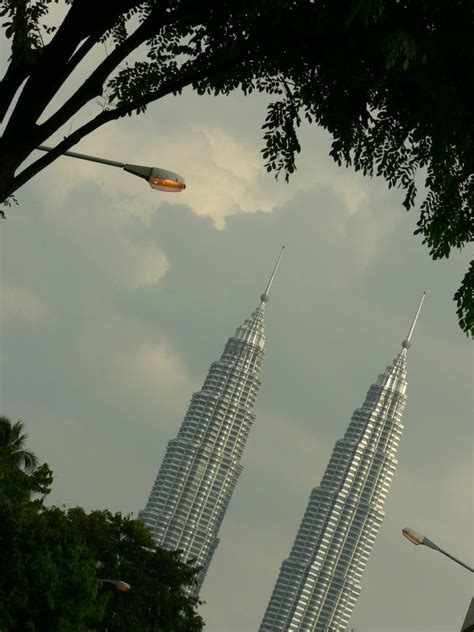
(11, 81)
(92, 87)
(57, 60)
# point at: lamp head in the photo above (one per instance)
(164, 180)
(413, 536)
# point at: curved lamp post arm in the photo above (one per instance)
(157, 178)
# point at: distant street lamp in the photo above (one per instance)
(157, 178)
(118, 583)
(416, 538)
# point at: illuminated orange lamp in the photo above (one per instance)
(163, 180)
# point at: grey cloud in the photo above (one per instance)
(340, 306)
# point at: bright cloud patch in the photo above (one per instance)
(159, 369)
(21, 303)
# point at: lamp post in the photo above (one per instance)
(157, 178)
(468, 625)
(416, 538)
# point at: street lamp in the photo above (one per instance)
(416, 538)
(118, 583)
(157, 178)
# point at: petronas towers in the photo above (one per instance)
(320, 581)
(198, 475)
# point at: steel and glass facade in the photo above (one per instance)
(201, 466)
(319, 583)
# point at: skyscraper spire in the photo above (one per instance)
(407, 342)
(319, 582)
(395, 374)
(201, 466)
(265, 297)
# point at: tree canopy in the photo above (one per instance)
(391, 81)
(53, 561)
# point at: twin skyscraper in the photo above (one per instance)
(319, 582)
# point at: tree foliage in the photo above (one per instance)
(124, 549)
(21, 476)
(47, 573)
(13, 454)
(52, 562)
(391, 81)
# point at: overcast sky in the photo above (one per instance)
(116, 299)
